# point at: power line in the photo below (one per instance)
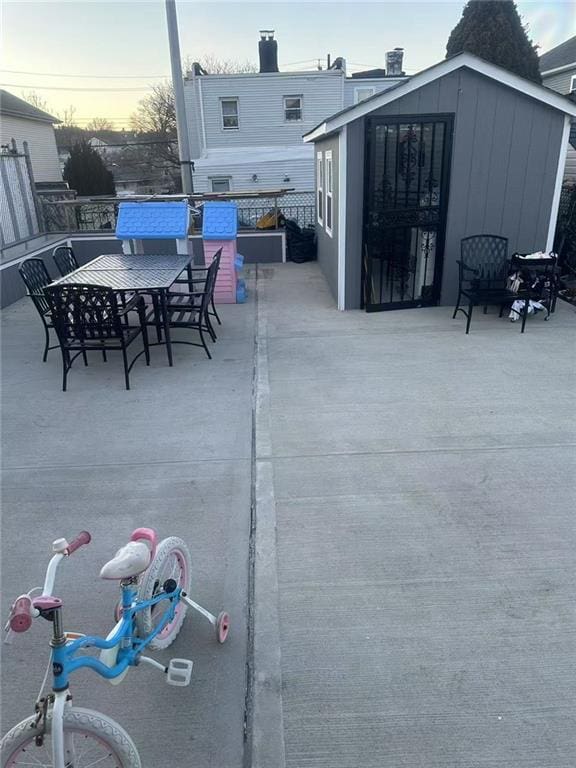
(98, 77)
(62, 88)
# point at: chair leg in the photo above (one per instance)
(145, 342)
(104, 356)
(47, 344)
(469, 319)
(202, 340)
(214, 310)
(126, 372)
(210, 327)
(525, 314)
(157, 318)
(485, 309)
(85, 357)
(501, 310)
(457, 307)
(65, 368)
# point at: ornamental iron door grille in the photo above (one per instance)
(406, 192)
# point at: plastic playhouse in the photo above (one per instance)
(219, 231)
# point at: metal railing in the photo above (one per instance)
(93, 215)
(20, 216)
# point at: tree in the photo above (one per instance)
(34, 98)
(99, 124)
(493, 30)
(215, 66)
(86, 173)
(156, 119)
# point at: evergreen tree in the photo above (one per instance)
(493, 30)
(86, 173)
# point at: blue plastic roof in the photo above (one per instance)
(152, 221)
(219, 221)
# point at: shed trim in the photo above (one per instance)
(554, 71)
(468, 60)
(342, 187)
(558, 185)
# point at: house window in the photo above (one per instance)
(292, 108)
(573, 83)
(220, 184)
(320, 188)
(329, 188)
(229, 109)
(363, 93)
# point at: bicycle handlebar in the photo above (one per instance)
(79, 541)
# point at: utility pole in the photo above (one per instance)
(181, 126)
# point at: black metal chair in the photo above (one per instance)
(35, 276)
(88, 318)
(483, 269)
(65, 260)
(191, 309)
(203, 270)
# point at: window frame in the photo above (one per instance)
(301, 108)
(359, 88)
(223, 127)
(329, 184)
(320, 188)
(212, 179)
(572, 84)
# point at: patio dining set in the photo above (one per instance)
(108, 303)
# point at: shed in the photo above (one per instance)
(462, 148)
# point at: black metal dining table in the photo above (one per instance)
(152, 274)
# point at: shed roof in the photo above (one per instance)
(16, 107)
(461, 60)
(561, 56)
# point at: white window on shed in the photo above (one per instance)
(573, 83)
(363, 93)
(220, 183)
(329, 190)
(320, 188)
(292, 108)
(229, 109)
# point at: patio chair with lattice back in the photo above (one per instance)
(192, 309)
(89, 318)
(35, 277)
(482, 273)
(65, 260)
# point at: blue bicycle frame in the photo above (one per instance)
(130, 647)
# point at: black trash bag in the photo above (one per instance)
(300, 243)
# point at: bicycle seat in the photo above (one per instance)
(130, 560)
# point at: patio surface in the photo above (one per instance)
(424, 489)
(173, 454)
(414, 500)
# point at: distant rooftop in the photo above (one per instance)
(16, 107)
(561, 56)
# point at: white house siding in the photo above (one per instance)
(560, 81)
(261, 106)
(274, 168)
(41, 145)
(378, 83)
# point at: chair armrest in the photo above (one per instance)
(184, 281)
(132, 304)
(465, 266)
(183, 293)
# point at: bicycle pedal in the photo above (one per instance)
(179, 672)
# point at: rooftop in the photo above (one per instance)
(16, 107)
(561, 56)
(413, 499)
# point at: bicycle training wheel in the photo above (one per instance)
(172, 561)
(90, 739)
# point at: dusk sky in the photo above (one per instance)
(102, 56)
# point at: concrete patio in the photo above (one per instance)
(413, 495)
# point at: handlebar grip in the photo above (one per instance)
(83, 538)
(21, 614)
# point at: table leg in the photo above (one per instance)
(157, 318)
(166, 323)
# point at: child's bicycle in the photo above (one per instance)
(154, 581)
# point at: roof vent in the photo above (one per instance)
(268, 51)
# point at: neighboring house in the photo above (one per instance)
(23, 122)
(558, 70)
(462, 148)
(246, 129)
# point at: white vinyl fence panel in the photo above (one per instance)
(18, 207)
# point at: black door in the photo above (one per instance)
(406, 196)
